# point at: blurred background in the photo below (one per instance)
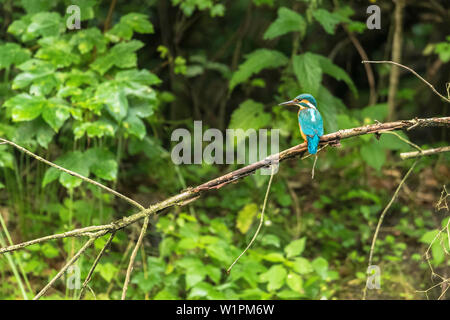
(104, 99)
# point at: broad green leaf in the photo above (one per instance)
(373, 154)
(6, 159)
(74, 161)
(274, 257)
(336, 72)
(255, 62)
(132, 22)
(330, 107)
(122, 55)
(135, 126)
(392, 142)
(49, 250)
(320, 266)
(376, 112)
(245, 217)
(107, 270)
(112, 94)
(429, 236)
(59, 57)
(249, 115)
(97, 129)
(302, 265)
(55, 113)
(88, 39)
(12, 54)
(143, 76)
(50, 175)
(275, 277)
(45, 24)
(295, 282)
(33, 6)
(327, 19)
(102, 163)
(295, 248)
(25, 107)
(287, 21)
(308, 71)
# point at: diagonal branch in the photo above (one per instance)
(192, 194)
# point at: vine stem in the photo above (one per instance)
(261, 220)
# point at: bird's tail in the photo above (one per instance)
(313, 143)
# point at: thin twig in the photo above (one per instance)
(404, 140)
(72, 173)
(415, 154)
(133, 256)
(413, 72)
(63, 269)
(383, 214)
(94, 265)
(87, 231)
(261, 220)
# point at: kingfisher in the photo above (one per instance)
(309, 120)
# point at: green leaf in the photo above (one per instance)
(143, 76)
(249, 115)
(287, 21)
(6, 159)
(12, 54)
(45, 24)
(336, 72)
(25, 107)
(49, 251)
(122, 55)
(329, 107)
(74, 161)
(55, 113)
(302, 265)
(429, 236)
(392, 142)
(255, 62)
(373, 154)
(295, 248)
(102, 163)
(245, 217)
(107, 270)
(88, 39)
(327, 19)
(97, 129)
(33, 6)
(135, 126)
(376, 112)
(320, 266)
(295, 282)
(308, 71)
(112, 94)
(275, 277)
(136, 22)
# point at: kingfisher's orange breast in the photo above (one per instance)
(300, 127)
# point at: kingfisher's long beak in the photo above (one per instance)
(288, 103)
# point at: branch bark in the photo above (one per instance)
(192, 194)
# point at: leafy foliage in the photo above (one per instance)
(103, 101)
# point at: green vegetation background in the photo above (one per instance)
(104, 100)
